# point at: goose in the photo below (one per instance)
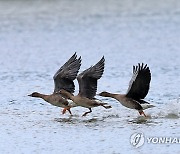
(63, 79)
(137, 91)
(87, 88)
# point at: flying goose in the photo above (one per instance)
(87, 88)
(63, 79)
(137, 91)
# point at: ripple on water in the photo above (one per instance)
(142, 120)
(172, 116)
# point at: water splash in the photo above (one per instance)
(170, 110)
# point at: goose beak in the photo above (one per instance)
(30, 95)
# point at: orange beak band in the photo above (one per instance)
(142, 113)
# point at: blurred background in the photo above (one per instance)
(38, 36)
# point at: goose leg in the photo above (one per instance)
(64, 110)
(69, 111)
(107, 107)
(87, 112)
(142, 113)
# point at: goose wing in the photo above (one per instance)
(88, 79)
(63, 78)
(140, 82)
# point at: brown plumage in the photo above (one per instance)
(137, 91)
(87, 87)
(63, 79)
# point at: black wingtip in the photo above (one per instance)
(79, 59)
(134, 68)
(144, 67)
(101, 61)
(140, 66)
(72, 58)
(103, 58)
(74, 54)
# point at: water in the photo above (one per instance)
(37, 37)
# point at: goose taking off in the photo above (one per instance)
(87, 88)
(137, 91)
(63, 79)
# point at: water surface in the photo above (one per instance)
(37, 37)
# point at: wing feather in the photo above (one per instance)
(88, 79)
(140, 82)
(63, 78)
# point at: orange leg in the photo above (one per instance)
(64, 110)
(142, 113)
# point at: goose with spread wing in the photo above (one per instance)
(63, 79)
(87, 88)
(137, 91)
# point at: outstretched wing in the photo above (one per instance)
(88, 79)
(140, 82)
(63, 78)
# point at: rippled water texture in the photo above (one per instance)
(37, 37)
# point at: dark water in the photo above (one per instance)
(37, 37)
